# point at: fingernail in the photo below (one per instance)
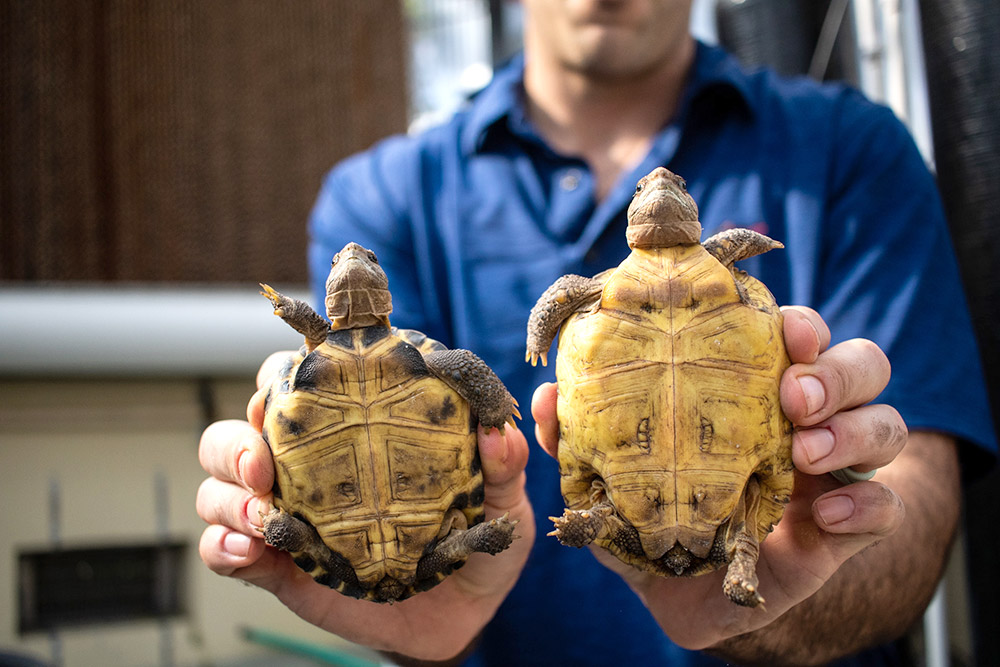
(835, 509)
(237, 544)
(493, 446)
(241, 462)
(812, 390)
(256, 508)
(817, 443)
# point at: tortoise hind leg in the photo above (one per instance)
(288, 533)
(578, 528)
(490, 537)
(741, 578)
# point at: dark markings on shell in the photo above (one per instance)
(477, 496)
(288, 425)
(308, 372)
(341, 338)
(461, 501)
(408, 360)
(372, 335)
(477, 464)
(443, 413)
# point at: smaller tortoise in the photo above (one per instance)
(674, 453)
(378, 489)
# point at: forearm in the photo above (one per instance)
(876, 595)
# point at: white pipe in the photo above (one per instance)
(192, 332)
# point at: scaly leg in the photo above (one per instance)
(476, 382)
(564, 297)
(578, 528)
(739, 243)
(299, 315)
(741, 578)
(490, 537)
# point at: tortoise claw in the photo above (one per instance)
(274, 296)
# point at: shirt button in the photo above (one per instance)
(571, 180)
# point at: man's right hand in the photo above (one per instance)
(434, 625)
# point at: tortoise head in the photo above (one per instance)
(662, 214)
(357, 291)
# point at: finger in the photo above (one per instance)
(255, 407)
(233, 451)
(225, 551)
(543, 409)
(504, 456)
(845, 376)
(806, 334)
(864, 439)
(229, 505)
(868, 511)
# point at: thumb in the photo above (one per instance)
(504, 456)
(543, 409)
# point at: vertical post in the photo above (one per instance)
(164, 583)
(55, 537)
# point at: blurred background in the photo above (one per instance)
(158, 158)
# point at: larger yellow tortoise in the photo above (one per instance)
(674, 453)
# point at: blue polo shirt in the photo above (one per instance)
(473, 219)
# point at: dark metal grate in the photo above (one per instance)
(72, 587)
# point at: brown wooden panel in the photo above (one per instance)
(182, 140)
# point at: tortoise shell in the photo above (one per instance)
(668, 369)
(375, 455)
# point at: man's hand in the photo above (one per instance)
(825, 394)
(434, 625)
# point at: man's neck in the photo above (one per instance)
(608, 122)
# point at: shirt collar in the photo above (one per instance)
(498, 109)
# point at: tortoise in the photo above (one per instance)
(378, 488)
(674, 453)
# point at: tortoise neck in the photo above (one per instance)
(659, 235)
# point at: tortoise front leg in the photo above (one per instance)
(740, 585)
(476, 382)
(299, 315)
(732, 245)
(564, 297)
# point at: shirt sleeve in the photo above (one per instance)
(889, 274)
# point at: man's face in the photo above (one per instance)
(606, 38)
